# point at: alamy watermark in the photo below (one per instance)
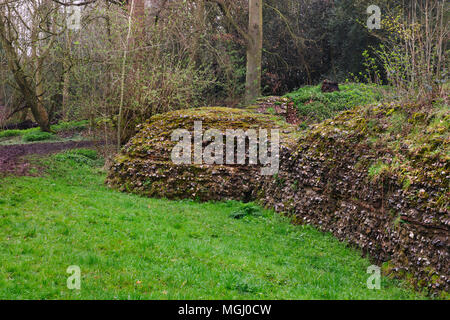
(374, 21)
(73, 18)
(374, 281)
(234, 150)
(74, 280)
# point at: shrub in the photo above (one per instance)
(88, 153)
(10, 133)
(60, 127)
(80, 156)
(37, 136)
(72, 125)
(247, 210)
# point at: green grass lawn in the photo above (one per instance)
(130, 247)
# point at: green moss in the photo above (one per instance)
(377, 170)
(397, 121)
(418, 117)
(418, 150)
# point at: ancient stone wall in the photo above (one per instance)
(324, 182)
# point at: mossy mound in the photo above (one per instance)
(145, 165)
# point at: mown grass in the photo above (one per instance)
(314, 106)
(129, 247)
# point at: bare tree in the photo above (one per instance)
(30, 85)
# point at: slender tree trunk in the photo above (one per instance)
(122, 84)
(254, 51)
(66, 76)
(254, 40)
(39, 112)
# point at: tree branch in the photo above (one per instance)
(227, 14)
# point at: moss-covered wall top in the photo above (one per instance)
(145, 165)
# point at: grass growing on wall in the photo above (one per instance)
(314, 106)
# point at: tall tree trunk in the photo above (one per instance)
(66, 75)
(23, 115)
(254, 51)
(39, 112)
(122, 82)
(254, 41)
(37, 108)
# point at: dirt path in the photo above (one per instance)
(12, 156)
